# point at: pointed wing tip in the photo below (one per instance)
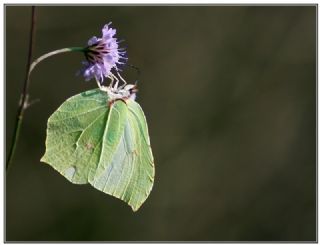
(134, 208)
(43, 159)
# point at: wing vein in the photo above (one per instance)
(84, 113)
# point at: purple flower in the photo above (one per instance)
(103, 55)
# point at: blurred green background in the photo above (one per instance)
(229, 93)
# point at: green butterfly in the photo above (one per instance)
(101, 137)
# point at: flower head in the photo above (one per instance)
(103, 55)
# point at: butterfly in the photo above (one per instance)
(101, 137)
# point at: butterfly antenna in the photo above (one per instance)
(136, 68)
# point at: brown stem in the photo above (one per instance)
(24, 95)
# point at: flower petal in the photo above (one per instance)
(93, 40)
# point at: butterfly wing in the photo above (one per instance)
(74, 133)
(90, 141)
(129, 175)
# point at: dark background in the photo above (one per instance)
(229, 93)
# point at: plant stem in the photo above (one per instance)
(24, 95)
(47, 55)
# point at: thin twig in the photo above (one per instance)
(24, 95)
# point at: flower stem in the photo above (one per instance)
(47, 55)
(24, 101)
(24, 94)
